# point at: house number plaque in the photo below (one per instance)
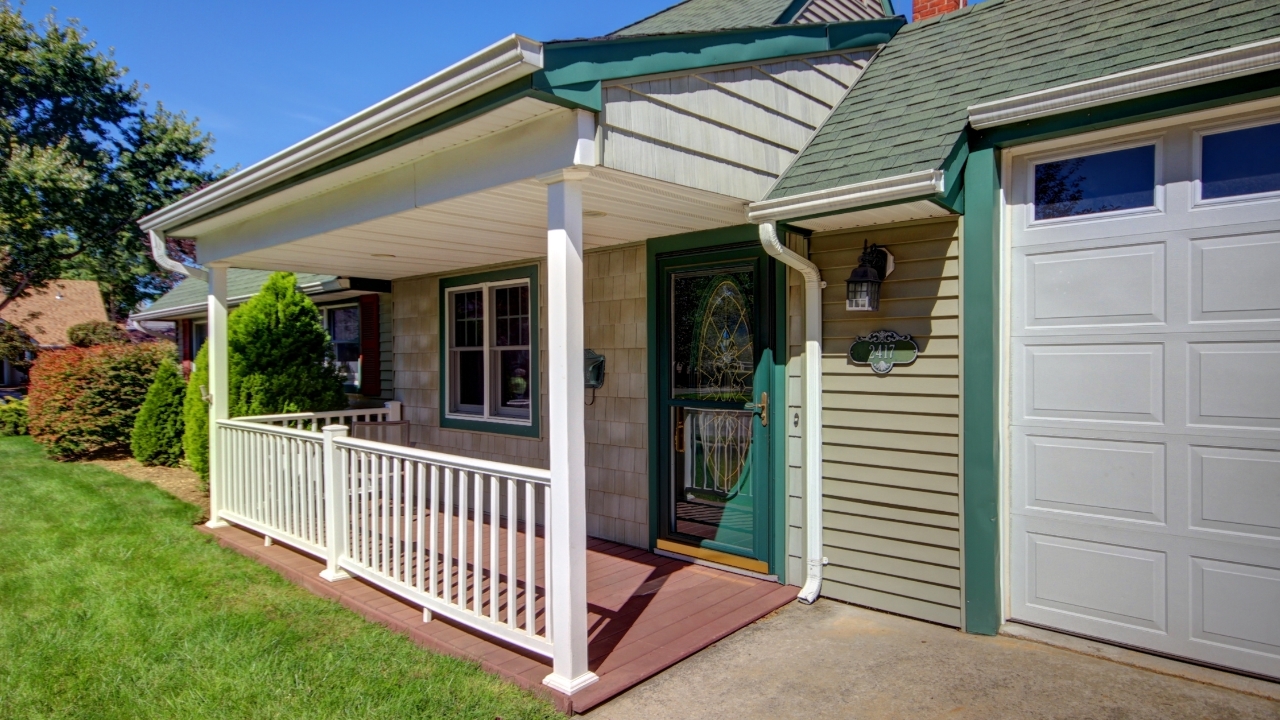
(882, 350)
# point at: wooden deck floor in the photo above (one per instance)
(647, 613)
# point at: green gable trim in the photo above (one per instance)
(533, 429)
(574, 70)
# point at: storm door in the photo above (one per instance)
(716, 356)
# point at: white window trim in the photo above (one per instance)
(1197, 159)
(1084, 151)
(359, 380)
(487, 325)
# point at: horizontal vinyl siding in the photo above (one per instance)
(891, 444)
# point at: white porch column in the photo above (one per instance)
(566, 432)
(219, 390)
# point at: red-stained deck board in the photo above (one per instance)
(645, 613)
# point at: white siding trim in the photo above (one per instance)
(847, 197)
(1164, 77)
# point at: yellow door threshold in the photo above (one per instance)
(715, 556)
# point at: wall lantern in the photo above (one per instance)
(874, 265)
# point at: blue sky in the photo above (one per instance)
(264, 74)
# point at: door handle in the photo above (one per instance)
(761, 407)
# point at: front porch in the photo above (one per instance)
(645, 613)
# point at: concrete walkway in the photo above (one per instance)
(830, 660)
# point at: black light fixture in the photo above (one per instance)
(863, 285)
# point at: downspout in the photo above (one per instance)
(161, 254)
(812, 405)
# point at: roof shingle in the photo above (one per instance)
(47, 314)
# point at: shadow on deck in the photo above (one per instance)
(647, 613)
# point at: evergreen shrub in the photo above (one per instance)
(84, 400)
(157, 432)
(281, 361)
(195, 416)
(13, 416)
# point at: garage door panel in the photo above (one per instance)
(1112, 382)
(1236, 605)
(1234, 384)
(1118, 480)
(1234, 278)
(1106, 582)
(1235, 491)
(1093, 287)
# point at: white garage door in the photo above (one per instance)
(1144, 387)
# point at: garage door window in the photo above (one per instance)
(1093, 184)
(1240, 163)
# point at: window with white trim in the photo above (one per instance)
(490, 329)
(343, 324)
(1240, 162)
(1096, 183)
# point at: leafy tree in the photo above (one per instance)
(195, 416)
(81, 159)
(157, 431)
(281, 361)
(96, 332)
(15, 347)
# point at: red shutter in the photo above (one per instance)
(185, 344)
(370, 347)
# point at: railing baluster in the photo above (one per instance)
(530, 560)
(395, 513)
(511, 552)
(493, 547)
(421, 471)
(547, 532)
(447, 510)
(435, 510)
(464, 489)
(477, 558)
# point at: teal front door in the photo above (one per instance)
(715, 414)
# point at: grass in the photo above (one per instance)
(113, 606)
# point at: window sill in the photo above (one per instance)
(490, 425)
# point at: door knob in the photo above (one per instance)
(762, 408)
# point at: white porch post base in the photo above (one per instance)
(566, 433)
(335, 575)
(569, 687)
(219, 387)
(215, 524)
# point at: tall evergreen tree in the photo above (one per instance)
(157, 431)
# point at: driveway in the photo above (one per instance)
(830, 660)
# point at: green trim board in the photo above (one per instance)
(742, 237)
(533, 429)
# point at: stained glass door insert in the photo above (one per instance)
(714, 424)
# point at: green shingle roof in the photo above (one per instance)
(240, 284)
(908, 109)
(708, 15)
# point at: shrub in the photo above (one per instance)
(16, 347)
(96, 332)
(281, 357)
(157, 432)
(84, 400)
(13, 416)
(195, 416)
(281, 361)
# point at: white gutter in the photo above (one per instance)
(848, 197)
(160, 251)
(812, 406)
(507, 60)
(1174, 75)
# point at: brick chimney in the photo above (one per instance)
(924, 9)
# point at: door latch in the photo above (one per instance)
(761, 408)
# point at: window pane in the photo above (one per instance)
(513, 383)
(468, 319)
(1240, 162)
(344, 324)
(1118, 180)
(468, 381)
(511, 316)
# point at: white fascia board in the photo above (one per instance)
(1174, 75)
(846, 197)
(503, 62)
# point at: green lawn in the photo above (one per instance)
(112, 605)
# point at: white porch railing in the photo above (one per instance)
(314, 421)
(460, 537)
(274, 482)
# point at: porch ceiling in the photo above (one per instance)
(496, 225)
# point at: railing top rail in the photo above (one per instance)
(241, 424)
(280, 416)
(489, 467)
